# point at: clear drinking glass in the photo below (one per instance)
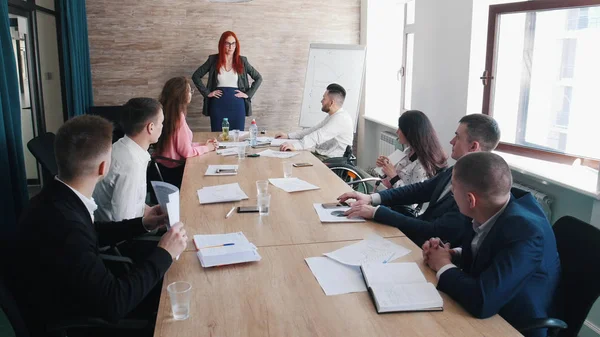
(235, 135)
(264, 203)
(262, 187)
(287, 169)
(180, 294)
(241, 151)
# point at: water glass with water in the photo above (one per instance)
(180, 294)
(264, 203)
(287, 169)
(241, 151)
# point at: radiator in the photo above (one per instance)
(387, 143)
(544, 200)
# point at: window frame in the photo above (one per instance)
(518, 7)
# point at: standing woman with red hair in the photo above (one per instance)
(227, 93)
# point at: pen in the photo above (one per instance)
(223, 245)
(230, 212)
(389, 258)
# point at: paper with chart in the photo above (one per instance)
(221, 193)
(325, 215)
(167, 196)
(226, 170)
(336, 278)
(395, 157)
(292, 184)
(230, 151)
(370, 250)
(278, 154)
(279, 141)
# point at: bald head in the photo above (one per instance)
(485, 174)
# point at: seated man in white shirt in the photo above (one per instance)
(331, 136)
(121, 194)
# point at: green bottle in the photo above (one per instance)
(225, 126)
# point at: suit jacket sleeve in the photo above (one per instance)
(485, 295)
(92, 284)
(411, 194)
(449, 226)
(255, 76)
(199, 73)
(110, 233)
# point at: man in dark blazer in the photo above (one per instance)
(442, 218)
(58, 269)
(508, 263)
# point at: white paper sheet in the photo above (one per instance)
(233, 144)
(167, 196)
(336, 278)
(325, 214)
(221, 193)
(278, 154)
(393, 273)
(279, 141)
(370, 250)
(292, 184)
(230, 151)
(395, 157)
(212, 170)
(264, 139)
(208, 240)
(211, 251)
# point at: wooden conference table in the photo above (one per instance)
(279, 296)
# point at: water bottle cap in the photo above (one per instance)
(226, 119)
(253, 121)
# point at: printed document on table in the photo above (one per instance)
(233, 144)
(292, 184)
(221, 193)
(167, 196)
(278, 154)
(370, 250)
(230, 151)
(209, 240)
(394, 158)
(212, 170)
(325, 215)
(336, 278)
(280, 141)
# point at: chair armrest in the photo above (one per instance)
(113, 258)
(94, 322)
(552, 324)
(354, 182)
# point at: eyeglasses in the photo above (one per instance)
(230, 44)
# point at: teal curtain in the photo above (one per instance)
(13, 181)
(76, 57)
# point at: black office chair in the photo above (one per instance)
(11, 309)
(42, 148)
(113, 113)
(577, 244)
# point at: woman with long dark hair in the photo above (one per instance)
(227, 93)
(423, 153)
(175, 141)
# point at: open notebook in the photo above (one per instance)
(400, 287)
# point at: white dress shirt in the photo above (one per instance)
(481, 231)
(329, 138)
(90, 204)
(121, 195)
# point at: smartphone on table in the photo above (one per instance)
(302, 164)
(223, 170)
(247, 209)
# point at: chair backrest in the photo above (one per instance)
(42, 148)
(9, 307)
(113, 113)
(577, 244)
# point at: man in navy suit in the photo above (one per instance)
(508, 263)
(475, 133)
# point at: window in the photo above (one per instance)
(390, 42)
(542, 70)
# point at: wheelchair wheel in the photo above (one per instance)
(349, 173)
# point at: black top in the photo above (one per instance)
(58, 268)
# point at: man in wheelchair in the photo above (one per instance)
(442, 218)
(330, 137)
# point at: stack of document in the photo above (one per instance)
(223, 249)
(279, 141)
(278, 154)
(221, 193)
(229, 151)
(221, 170)
(293, 184)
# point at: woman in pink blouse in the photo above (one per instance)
(176, 139)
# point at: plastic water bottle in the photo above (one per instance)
(225, 126)
(253, 133)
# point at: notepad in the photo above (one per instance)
(330, 214)
(400, 287)
(230, 151)
(278, 154)
(292, 184)
(221, 170)
(280, 141)
(233, 144)
(221, 193)
(394, 158)
(224, 249)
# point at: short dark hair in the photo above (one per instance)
(79, 143)
(137, 113)
(484, 173)
(482, 129)
(335, 89)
